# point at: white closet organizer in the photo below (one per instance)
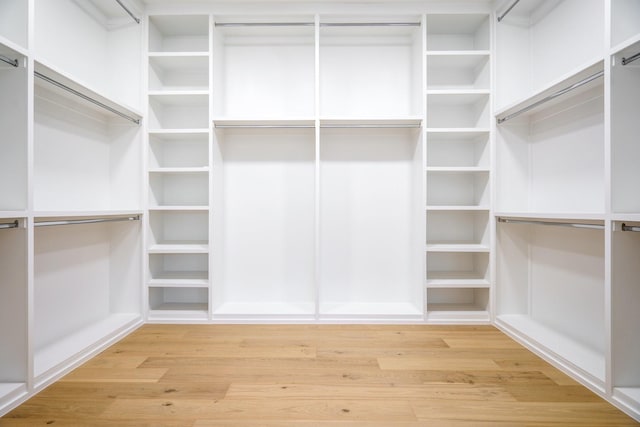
(92, 271)
(86, 182)
(264, 216)
(14, 366)
(458, 159)
(178, 165)
(550, 292)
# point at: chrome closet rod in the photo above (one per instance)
(630, 59)
(501, 17)
(553, 223)
(135, 18)
(369, 24)
(264, 126)
(85, 97)
(86, 221)
(552, 96)
(8, 225)
(8, 60)
(265, 24)
(371, 126)
(626, 227)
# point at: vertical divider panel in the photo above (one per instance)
(317, 177)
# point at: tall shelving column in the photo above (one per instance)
(625, 204)
(14, 122)
(458, 164)
(178, 167)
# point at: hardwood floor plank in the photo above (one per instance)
(263, 409)
(135, 390)
(88, 374)
(435, 363)
(354, 392)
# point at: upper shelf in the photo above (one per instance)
(458, 32)
(572, 84)
(63, 84)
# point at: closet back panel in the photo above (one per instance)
(458, 227)
(625, 104)
(370, 71)
(13, 21)
(71, 40)
(13, 305)
(84, 275)
(368, 216)
(265, 72)
(556, 39)
(555, 275)
(553, 161)
(625, 20)
(13, 144)
(71, 141)
(625, 313)
(267, 226)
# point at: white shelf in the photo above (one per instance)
(179, 248)
(178, 33)
(263, 122)
(83, 88)
(329, 121)
(179, 71)
(177, 279)
(456, 313)
(457, 96)
(178, 208)
(264, 309)
(195, 169)
(559, 347)
(456, 208)
(177, 133)
(458, 58)
(179, 312)
(456, 280)
(563, 82)
(82, 343)
(457, 169)
(179, 97)
(13, 214)
(471, 132)
(391, 309)
(456, 247)
(61, 215)
(626, 217)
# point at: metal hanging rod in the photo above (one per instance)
(87, 98)
(8, 225)
(552, 223)
(634, 228)
(86, 221)
(372, 126)
(13, 62)
(369, 24)
(265, 24)
(265, 126)
(552, 96)
(630, 59)
(135, 18)
(501, 17)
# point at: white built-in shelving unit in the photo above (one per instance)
(424, 162)
(178, 167)
(70, 239)
(565, 197)
(457, 167)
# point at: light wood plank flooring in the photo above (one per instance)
(308, 375)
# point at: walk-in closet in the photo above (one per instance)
(415, 162)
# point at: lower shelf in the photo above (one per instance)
(457, 313)
(629, 397)
(55, 357)
(9, 393)
(355, 309)
(179, 312)
(577, 358)
(264, 309)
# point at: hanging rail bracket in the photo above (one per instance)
(12, 62)
(8, 225)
